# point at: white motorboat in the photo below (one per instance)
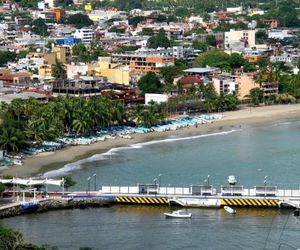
(125, 136)
(177, 214)
(18, 162)
(229, 210)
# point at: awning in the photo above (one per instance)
(32, 182)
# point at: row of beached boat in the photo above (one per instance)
(122, 132)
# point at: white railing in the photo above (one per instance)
(238, 191)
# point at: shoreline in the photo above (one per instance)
(45, 162)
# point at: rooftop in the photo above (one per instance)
(199, 70)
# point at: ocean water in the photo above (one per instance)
(249, 153)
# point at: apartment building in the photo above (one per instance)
(225, 84)
(140, 63)
(86, 35)
(246, 37)
(115, 73)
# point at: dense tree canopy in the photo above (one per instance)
(148, 115)
(27, 122)
(7, 56)
(135, 20)
(79, 20)
(159, 40)
(39, 27)
(11, 239)
(215, 58)
(88, 53)
(149, 83)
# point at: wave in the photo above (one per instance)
(282, 123)
(104, 156)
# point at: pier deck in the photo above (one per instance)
(196, 196)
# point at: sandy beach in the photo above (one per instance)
(246, 116)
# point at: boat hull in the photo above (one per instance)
(181, 216)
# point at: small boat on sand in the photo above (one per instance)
(229, 210)
(177, 214)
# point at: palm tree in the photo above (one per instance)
(11, 139)
(58, 70)
(3, 107)
(260, 77)
(16, 110)
(36, 130)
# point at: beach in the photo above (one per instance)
(37, 164)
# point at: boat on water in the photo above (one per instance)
(229, 210)
(178, 214)
(30, 206)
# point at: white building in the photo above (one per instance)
(51, 3)
(286, 58)
(158, 98)
(86, 35)
(235, 10)
(74, 70)
(196, 19)
(224, 85)
(280, 34)
(247, 37)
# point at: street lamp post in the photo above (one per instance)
(88, 180)
(159, 179)
(265, 183)
(95, 181)
(208, 176)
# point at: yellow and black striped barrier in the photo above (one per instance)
(141, 200)
(250, 202)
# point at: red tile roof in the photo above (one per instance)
(190, 79)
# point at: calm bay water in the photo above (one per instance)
(249, 153)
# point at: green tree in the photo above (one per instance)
(136, 20)
(148, 115)
(79, 20)
(69, 182)
(95, 50)
(261, 37)
(149, 83)
(11, 139)
(39, 27)
(116, 30)
(129, 4)
(10, 239)
(147, 32)
(88, 53)
(211, 40)
(256, 96)
(80, 51)
(2, 188)
(228, 101)
(199, 45)
(170, 72)
(22, 54)
(181, 12)
(58, 70)
(215, 58)
(159, 40)
(236, 60)
(7, 56)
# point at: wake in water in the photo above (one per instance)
(104, 156)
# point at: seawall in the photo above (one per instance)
(53, 204)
